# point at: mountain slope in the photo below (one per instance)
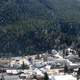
(12, 10)
(36, 26)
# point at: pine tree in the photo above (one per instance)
(46, 76)
(24, 66)
(65, 68)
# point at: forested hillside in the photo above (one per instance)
(36, 26)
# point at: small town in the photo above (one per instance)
(46, 66)
(39, 39)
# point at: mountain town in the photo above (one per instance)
(39, 39)
(57, 65)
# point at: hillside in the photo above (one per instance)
(36, 26)
(12, 10)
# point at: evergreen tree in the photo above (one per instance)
(46, 76)
(65, 68)
(24, 66)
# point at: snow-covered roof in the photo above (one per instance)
(12, 71)
(62, 77)
(57, 55)
(38, 72)
(48, 67)
(54, 51)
